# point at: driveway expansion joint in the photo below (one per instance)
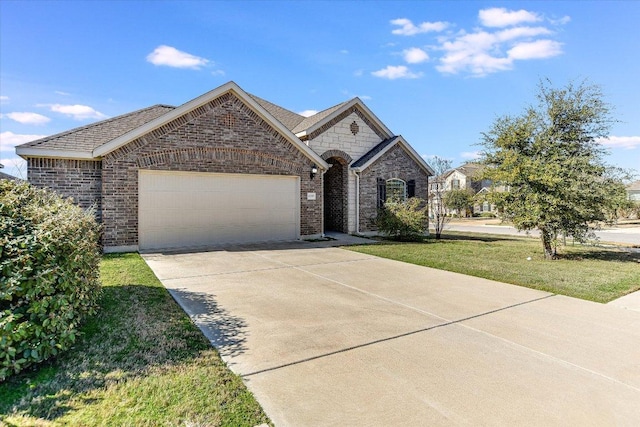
(394, 337)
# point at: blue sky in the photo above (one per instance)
(438, 73)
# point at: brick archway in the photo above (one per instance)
(335, 195)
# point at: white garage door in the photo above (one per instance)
(191, 209)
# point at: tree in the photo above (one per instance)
(460, 200)
(551, 164)
(437, 191)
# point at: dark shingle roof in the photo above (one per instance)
(371, 153)
(312, 120)
(470, 169)
(288, 118)
(88, 138)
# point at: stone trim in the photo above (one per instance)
(354, 109)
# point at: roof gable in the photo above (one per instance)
(379, 150)
(98, 139)
(230, 87)
(315, 123)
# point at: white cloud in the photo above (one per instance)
(393, 72)
(344, 51)
(218, 73)
(501, 17)
(407, 28)
(172, 57)
(358, 73)
(470, 155)
(535, 50)
(4, 99)
(308, 113)
(59, 92)
(415, 55)
(561, 21)
(481, 52)
(520, 32)
(505, 37)
(78, 112)
(28, 118)
(9, 140)
(627, 142)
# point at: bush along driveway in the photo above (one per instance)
(140, 362)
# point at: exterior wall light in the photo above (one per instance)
(314, 171)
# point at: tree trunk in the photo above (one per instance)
(549, 251)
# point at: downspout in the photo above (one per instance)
(357, 201)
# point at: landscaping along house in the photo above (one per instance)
(228, 167)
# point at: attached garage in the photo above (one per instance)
(192, 209)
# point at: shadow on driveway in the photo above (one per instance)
(226, 332)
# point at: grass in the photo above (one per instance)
(588, 272)
(140, 362)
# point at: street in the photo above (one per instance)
(626, 236)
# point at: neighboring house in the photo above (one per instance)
(633, 191)
(7, 176)
(228, 167)
(466, 176)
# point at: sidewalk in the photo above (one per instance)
(630, 302)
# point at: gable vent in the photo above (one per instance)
(354, 128)
(227, 120)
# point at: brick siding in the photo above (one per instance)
(79, 179)
(223, 136)
(396, 163)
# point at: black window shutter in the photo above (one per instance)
(382, 192)
(411, 188)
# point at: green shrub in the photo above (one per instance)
(49, 258)
(405, 221)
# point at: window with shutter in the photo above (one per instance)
(382, 193)
(411, 188)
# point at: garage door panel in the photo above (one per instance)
(188, 209)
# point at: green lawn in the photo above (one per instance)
(140, 362)
(587, 272)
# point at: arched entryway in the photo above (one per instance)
(335, 195)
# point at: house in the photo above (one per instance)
(7, 176)
(633, 191)
(466, 176)
(228, 167)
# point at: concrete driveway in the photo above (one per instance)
(327, 337)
